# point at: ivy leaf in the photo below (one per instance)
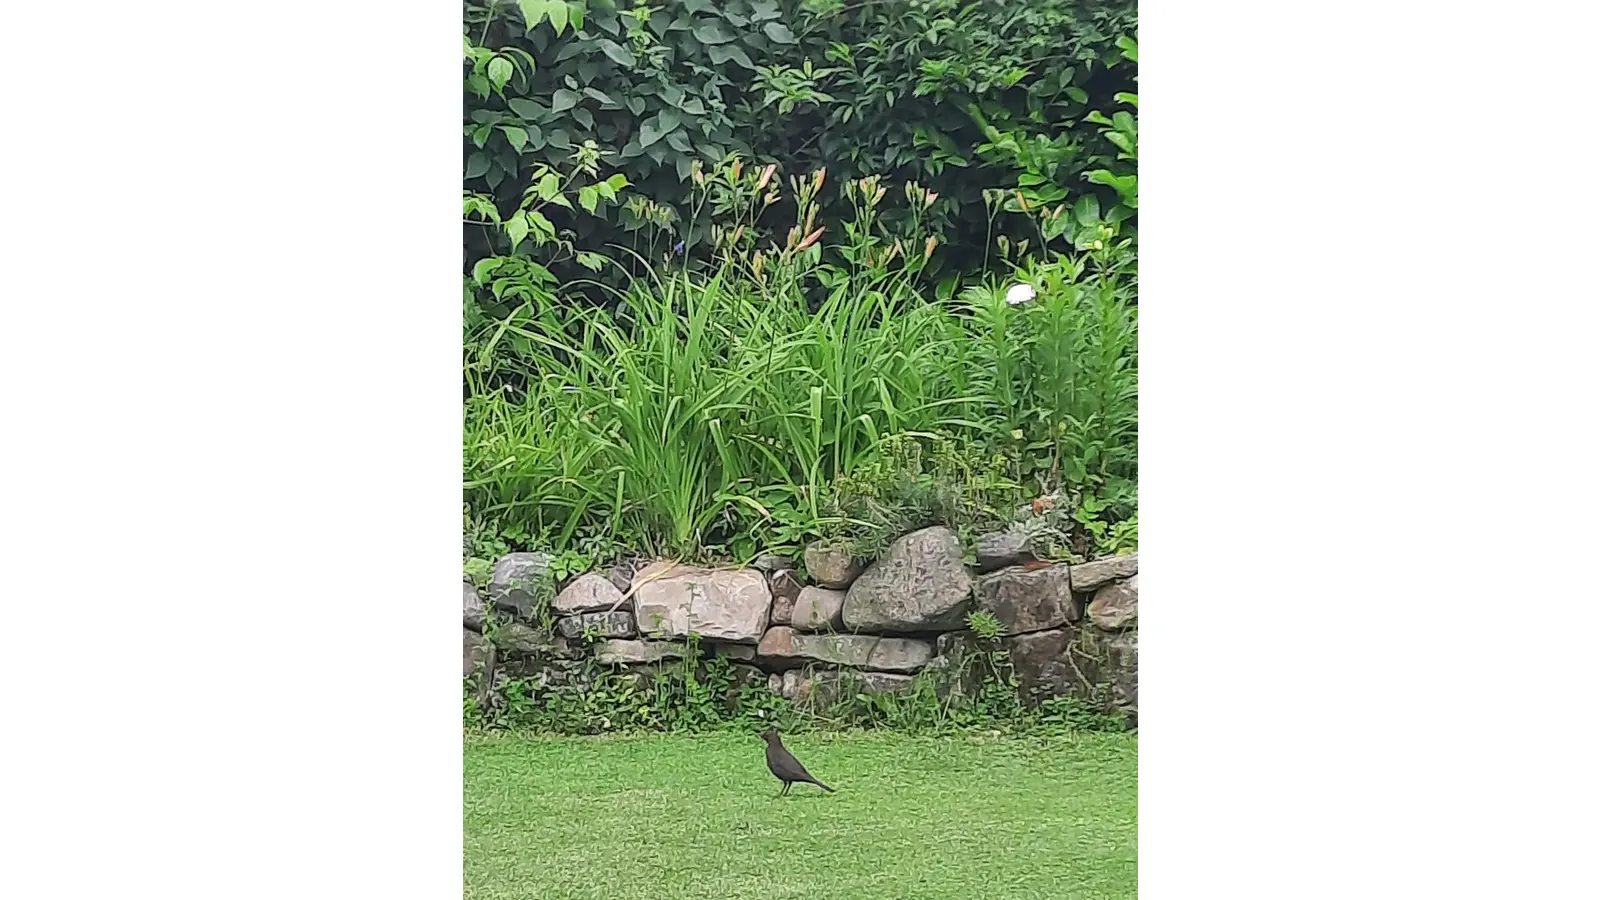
(649, 132)
(779, 32)
(602, 96)
(499, 72)
(619, 54)
(533, 12)
(712, 33)
(588, 198)
(477, 164)
(677, 141)
(636, 105)
(557, 11)
(525, 108)
(563, 100)
(516, 136)
(583, 117)
(668, 119)
(617, 181)
(516, 229)
(721, 55)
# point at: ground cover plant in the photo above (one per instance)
(681, 816)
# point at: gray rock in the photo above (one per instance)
(518, 638)
(617, 624)
(1041, 663)
(859, 651)
(1099, 668)
(818, 609)
(785, 585)
(743, 652)
(588, 593)
(518, 582)
(770, 562)
(831, 566)
(919, 584)
(618, 652)
(1090, 575)
(621, 575)
(999, 549)
(1028, 600)
(1116, 606)
(729, 605)
(823, 687)
(472, 609)
(472, 652)
(959, 666)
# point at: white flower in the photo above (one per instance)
(1020, 294)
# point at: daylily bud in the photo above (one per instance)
(766, 175)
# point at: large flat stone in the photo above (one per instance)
(674, 601)
(621, 652)
(920, 584)
(617, 624)
(860, 651)
(1027, 600)
(1090, 575)
(811, 688)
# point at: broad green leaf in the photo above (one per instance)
(525, 108)
(678, 141)
(668, 119)
(541, 227)
(577, 13)
(602, 96)
(649, 133)
(1078, 94)
(549, 186)
(591, 261)
(605, 190)
(778, 32)
(694, 107)
(1125, 97)
(588, 198)
(713, 33)
(1087, 209)
(619, 54)
(499, 71)
(516, 136)
(563, 100)
(477, 164)
(617, 181)
(484, 267)
(481, 134)
(636, 105)
(557, 11)
(721, 54)
(533, 12)
(583, 117)
(516, 229)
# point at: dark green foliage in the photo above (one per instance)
(962, 97)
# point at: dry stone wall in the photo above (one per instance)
(1069, 629)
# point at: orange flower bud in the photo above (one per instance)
(811, 238)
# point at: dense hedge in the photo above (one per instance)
(962, 97)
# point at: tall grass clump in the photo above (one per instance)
(712, 408)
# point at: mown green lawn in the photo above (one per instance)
(915, 818)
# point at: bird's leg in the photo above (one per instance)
(786, 786)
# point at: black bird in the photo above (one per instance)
(785, 766)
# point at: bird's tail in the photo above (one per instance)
(821, 785)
